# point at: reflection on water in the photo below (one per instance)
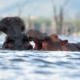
(39, 65)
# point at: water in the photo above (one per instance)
(40, 65)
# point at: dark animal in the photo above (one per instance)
(12, 26)
(51, 43)
(15, 40)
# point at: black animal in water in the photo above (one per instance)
(15, 39)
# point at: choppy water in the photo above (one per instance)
(40, 65)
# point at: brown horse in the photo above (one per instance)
(51, 43)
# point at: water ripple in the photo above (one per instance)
(39, 65)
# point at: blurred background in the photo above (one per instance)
(50, 16)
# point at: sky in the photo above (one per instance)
(39, 8)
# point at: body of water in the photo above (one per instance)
(40, 65)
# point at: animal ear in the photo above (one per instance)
(64, 42)
(54, 37)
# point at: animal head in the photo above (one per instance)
(37, 37)
(36, 34)
(17, 44)
(12, 26)
(54, 43)
(55, 38)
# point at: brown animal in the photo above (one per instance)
(37, 37)
(15, 40)
(51, 43)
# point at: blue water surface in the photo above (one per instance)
(40, 65)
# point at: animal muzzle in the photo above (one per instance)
(26, 46)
